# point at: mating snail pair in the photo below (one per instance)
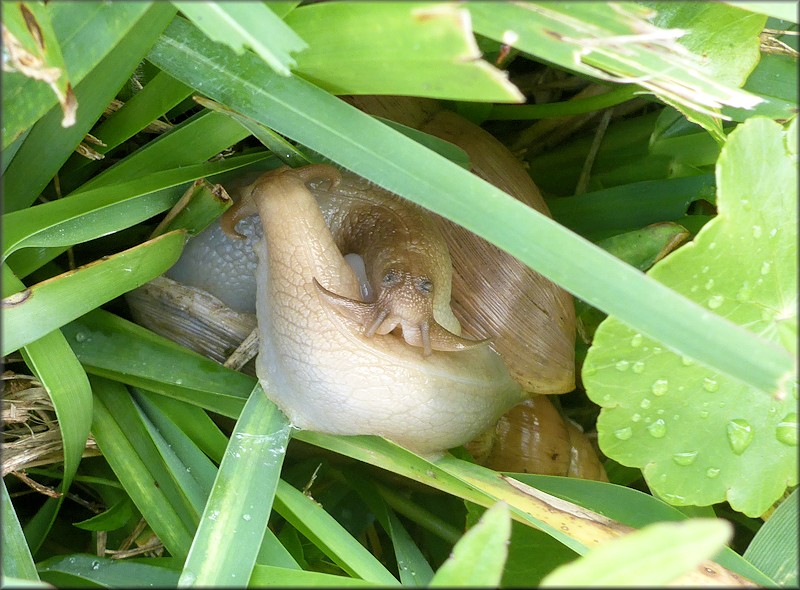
(401, 352)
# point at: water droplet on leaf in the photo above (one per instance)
(622, 366)
(624, 433)
(709, 284)
(686, 361)
(765, 268)
(638, 367)
(645, 403)
(636, 340)
(657, 429)
(712, 472)
(636, 417)
(660, 387)
(710, 384)
(756, 231)
(685, 458)
(787, 429)
(715, 301)
(740, 435)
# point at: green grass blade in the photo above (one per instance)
(17, 560)
(774, 548)
(480, 555)
(342, 133)
(104, 210)
(123, 438)
(78, 570)
(654, 556)
(112, 347)
(241, 500)
(321, 528)
(87, 33)
(267, 575)
(61, 299)
(247, 24)
(48, 145)
(351, 44)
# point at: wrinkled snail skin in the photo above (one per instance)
(356, 384)
(405, 255)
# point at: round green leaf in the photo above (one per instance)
(699, 436)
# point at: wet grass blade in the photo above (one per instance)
(241, 499)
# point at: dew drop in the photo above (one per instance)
(715, 301)
(710, 384)
(638, 367)
(756, 231)
(685, 458)
(624, 433)
(709, 284)
(687, 361)
(645, 403)
(765, 268)
(705, 269)
(657, 429)
(95, 565)
(773, 231)
(636, 417)
(704, 414)
(694, 289)
(246, 517)
(745, 293)
(636, 340)
(712, 245)
(607, 398)
(81, 337)
(712, 472)
(657, 350)
(787, 430)
(740, 435)
(622, 366)
(660, 387)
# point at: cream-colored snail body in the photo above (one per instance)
(319, 366)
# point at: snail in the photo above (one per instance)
(509, 313)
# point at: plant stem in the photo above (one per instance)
(526, 112)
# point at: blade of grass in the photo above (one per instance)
(101, 211)
(87, 33)
(112, 347)
(17, 560)
(336, 130)
(247, 24)
(126, 445)
(774, 548)
(267, 575)
(528, 112)
(241, 500)
(48, 145)
(321, 528)
(78, 570)
(61, 299)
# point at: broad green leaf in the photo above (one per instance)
(321, 528)
(48, 145)
(247, 24)
(78, 570)
(334, 129)
(774, 80)
(699, 436)
(480, 555)
(352, 43)
(726, 37)
(782, 10)
(86, 32)
(118, 349)
(774, 548)
(16, 556)
(653, 556)
(36, 311)
(241, 500)
(575, 36)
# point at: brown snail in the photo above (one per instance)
(529, 320)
